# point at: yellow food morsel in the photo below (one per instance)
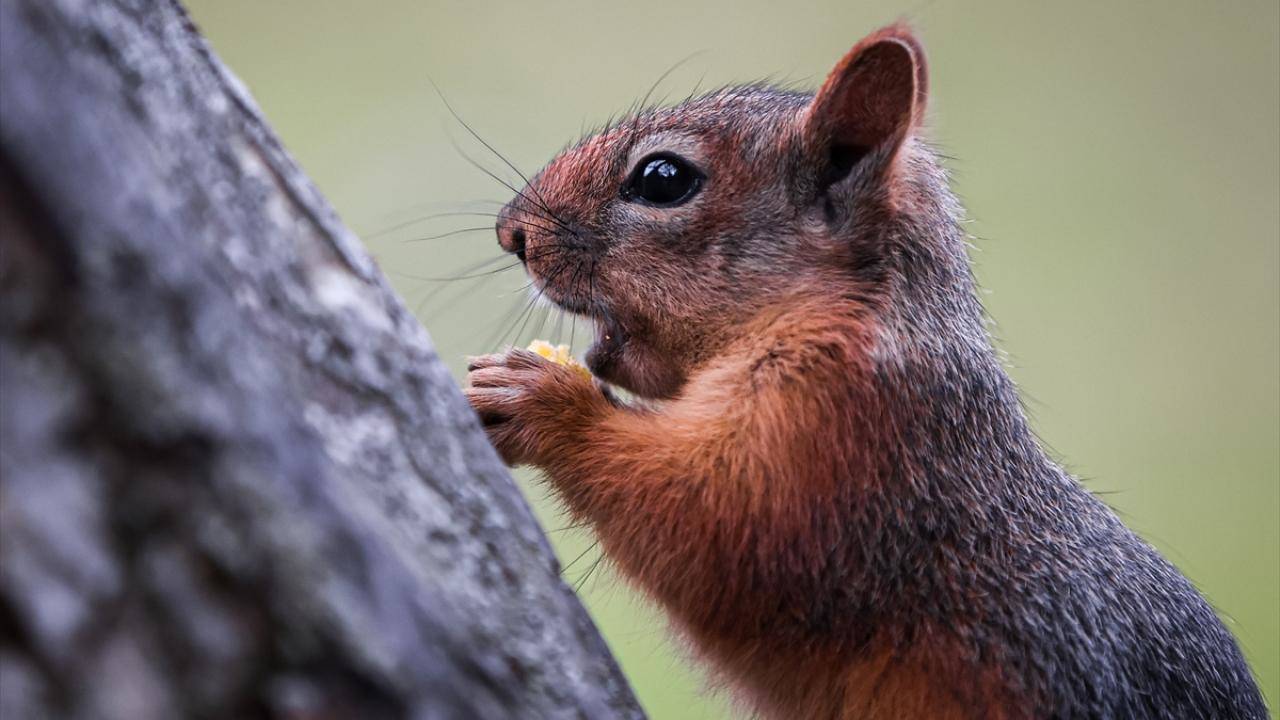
(558, 354)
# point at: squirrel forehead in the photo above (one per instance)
(745, 118)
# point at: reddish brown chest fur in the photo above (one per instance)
(741, 506)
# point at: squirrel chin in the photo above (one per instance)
(623, 359)
(606, 352)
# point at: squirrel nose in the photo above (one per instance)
(511, 237)
(517, 243)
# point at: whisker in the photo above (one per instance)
(558, 328)
(470, 268)
(482, 214)
(559, 324)
(533, 309)
(471, 272)
(551, 217)
(490, 148)
(551, 278)
(465, 292)
(420, 305)
(471, 276)
(591, 282)
(528, 309)
(450, 233)
(542, 323)
(493, 342)
(423, 218)
(573, 526)
(523, 316)
(640, 107)
(587, 575)
(569, 565)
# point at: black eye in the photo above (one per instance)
(662, 180)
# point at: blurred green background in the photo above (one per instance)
(1120, 162)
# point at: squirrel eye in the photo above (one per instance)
(663, 181)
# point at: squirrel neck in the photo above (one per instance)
(959, 469)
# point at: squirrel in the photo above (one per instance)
(828, 481)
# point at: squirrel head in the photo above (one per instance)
(675, 227)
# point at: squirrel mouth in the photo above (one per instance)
(606, 352)
(604, 357)
(621, 354)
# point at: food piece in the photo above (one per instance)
(558, 354)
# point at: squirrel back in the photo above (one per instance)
(832, 487)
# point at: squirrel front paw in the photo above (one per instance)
(532, 408)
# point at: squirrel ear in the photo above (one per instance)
(875, 94)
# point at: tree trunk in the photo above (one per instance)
(235, 479)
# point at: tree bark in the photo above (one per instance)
(235, 479)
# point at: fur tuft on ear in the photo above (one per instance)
(875, 95)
